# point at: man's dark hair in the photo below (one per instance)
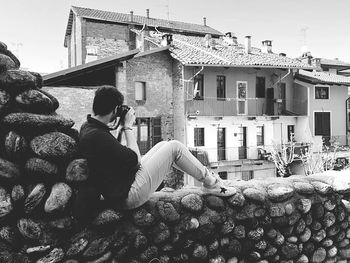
(106, 99)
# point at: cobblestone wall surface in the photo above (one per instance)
(297, 219)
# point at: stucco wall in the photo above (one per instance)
(256, 106)
(335, 105)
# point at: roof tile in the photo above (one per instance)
(153, 22)
(323, 77)
(192, 50)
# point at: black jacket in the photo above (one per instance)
(112, 166)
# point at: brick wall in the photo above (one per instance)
(107, 46)
(156, 71)
(110, 38)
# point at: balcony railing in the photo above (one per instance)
(249, 107)
(208, 155)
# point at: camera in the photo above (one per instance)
(121, 112)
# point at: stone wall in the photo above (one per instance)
(296, 219)
(108, 37)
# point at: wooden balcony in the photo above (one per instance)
(250, 107)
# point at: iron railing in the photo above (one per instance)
(249, 107)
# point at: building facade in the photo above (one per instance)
(94, 34)
(228, 102)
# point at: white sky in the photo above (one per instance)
(34, 29)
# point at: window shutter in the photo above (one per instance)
(156, 130)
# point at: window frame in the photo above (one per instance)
(221, 79)
(197, 133)
(256, 87)
(262, 135)
(322, 86)
(200, 79)
(144, 94)
(242, 99)
(289, 126)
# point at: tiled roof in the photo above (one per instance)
(138, 20)
(191, 50)
(334, 62)
(322, 77)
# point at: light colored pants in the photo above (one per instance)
(156, 164)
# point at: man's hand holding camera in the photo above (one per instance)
(129, 119)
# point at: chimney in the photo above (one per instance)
(248, 44)
(267, 46)
(131, 16)
(204, 21)
(230, 38)
(167, 39)
(282, 54)
(318, 63)
(207, 39)
(147, 13)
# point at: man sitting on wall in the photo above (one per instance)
(118, 172)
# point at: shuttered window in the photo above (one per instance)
(156, 130)
(198, 136)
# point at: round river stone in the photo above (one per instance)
(34, 101)
(77, 171)
(58, 199)
(8, 170)
(16, 80)
(34, 198)
(5, 203)
(24, 121)
(15, 145)
(41, 168)
(54, 145)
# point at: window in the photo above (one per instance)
(198, 136)
(322, 125)
(242, 97)
(221, 143)
(221, 87)
(199, 87)
(290, 132)
(260, 135)
(247, 175)
(142, 134)
(140, 91)
(148, 132)
(322, 92)
(260, 87)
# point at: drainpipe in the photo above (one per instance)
(289, 71)
(346, 119)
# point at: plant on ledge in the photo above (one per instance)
(321, 161)
(283, 157)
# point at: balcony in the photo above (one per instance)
(209, 156)
(249, 107)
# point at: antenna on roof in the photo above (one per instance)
(303, 30)
(167, 10)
